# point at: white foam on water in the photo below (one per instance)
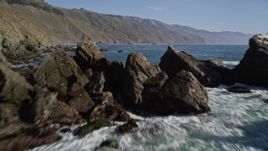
(232, 63)
(237, 122)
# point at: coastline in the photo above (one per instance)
(88, 88)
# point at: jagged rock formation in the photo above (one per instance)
(253, 68)
(206, 72)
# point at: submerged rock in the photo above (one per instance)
(138, 69)
(93, 125)
(112, 112)
(239, 89)
(253, 68)
(65, 130)
(128, 127)
(174, 61)
(110, 143)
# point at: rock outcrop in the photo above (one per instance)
(67, 91)
(26, 48)
(59, 73)
(137, 70)
(182, 93)
(174, 61)
(253, 68)
(94, 65)
(15, 93)
(113, 73)
(88, 56)
(48, 109)
(109, 108)
(29, 138)
(18, 130)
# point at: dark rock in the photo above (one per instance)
(265, 101)
(112, 112)
(239, 89)
(93, 125)
(15, 94)
(95, 66)
(13, 87)
(151, 93)
(110, 143)
(216, 62)
(120, 51)
(103, 49)
(190, 96)
(24, 49)
(181, 94)
(89, 72)
(128, 127)
(103, 98)
(253, 68)
(60, 73)
(157, 81)
(107, 107)
(88, 55)
(18, 131)
(227, 75)
(82, 103)
(29, 138)
(138, 69)
(96, 84)
(65, 130)
(174, 61)
(113, 73)
(49, 109)
(27, 73)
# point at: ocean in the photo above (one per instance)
(237, 122)
(230, 54)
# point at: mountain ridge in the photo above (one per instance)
(52, 25)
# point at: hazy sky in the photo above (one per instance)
(250, 16)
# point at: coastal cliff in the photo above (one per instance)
(51, 25)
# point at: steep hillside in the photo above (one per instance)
(51, 25)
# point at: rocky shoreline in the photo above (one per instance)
(87, 88)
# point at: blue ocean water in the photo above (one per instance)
(228, 53)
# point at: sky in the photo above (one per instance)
(248, 16)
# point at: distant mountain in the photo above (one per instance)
(52, 25)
